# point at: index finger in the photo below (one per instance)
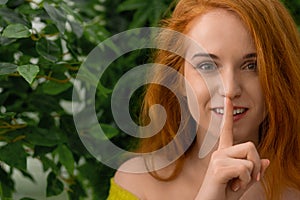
(226, 135)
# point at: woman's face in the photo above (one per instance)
(225, 66)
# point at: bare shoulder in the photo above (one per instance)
(133, 176)
(291, 194)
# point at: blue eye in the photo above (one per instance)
(207, 66)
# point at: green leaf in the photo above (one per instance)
(50, 29)
(103, 90)
(76, 22)
(16, 31)
(48, 163)
(66, 158)
(7, 115)
(108, 130)
(43, 137)
(43, 103)
(54, 185)
(6, 185)
(28, 72)
(42, 150)
(17, 3)
(146, 11)
(7, 68)
(6, 41)
(3, 98)
(57, 16)
(12, 17)
(54, 88)
(76, 28)
(140, 17)
(131, 5)
(48, 49)
(14, 155)
(28, 175)
(2, 2)
(77, 191)
(70, 11)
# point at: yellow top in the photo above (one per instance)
(116, 192)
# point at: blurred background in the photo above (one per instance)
(42, 45)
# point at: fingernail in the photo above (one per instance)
(235, 187)
(258, 177)
(227, 100)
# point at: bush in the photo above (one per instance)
(42, 45)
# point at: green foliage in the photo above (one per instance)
(42, 46)
(146, 11)
(10, 152)
(16, 31)
(28, 72)
(293, 6)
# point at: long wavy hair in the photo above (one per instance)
(278, 56)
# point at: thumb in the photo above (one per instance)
(265, 163)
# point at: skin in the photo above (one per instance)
(233, 169)
(229, 71)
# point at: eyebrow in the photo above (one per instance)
(250, 55)
(209, 55)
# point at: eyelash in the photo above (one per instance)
(205, 64)
(213, 66)
(248, 64)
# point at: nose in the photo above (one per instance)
(230, 84)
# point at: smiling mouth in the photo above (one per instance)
(236, 111)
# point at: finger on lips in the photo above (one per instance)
(226, 136)
(251, 167)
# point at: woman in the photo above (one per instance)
(252, 50)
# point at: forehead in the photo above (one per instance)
(218, 29)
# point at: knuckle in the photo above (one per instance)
(217, 167)
(216, 163)
(243, 169)
(251, 165)
(215, 155)
(245, 185)
(247, 182)
(249, 178)
(251, 145)
(218, 171)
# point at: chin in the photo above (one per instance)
(240, 141)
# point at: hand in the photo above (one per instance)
(232, 168)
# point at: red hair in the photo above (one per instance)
(278, 56)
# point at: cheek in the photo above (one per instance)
(258, 98)
(249, 129)
(261, 107)
(198, 95)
